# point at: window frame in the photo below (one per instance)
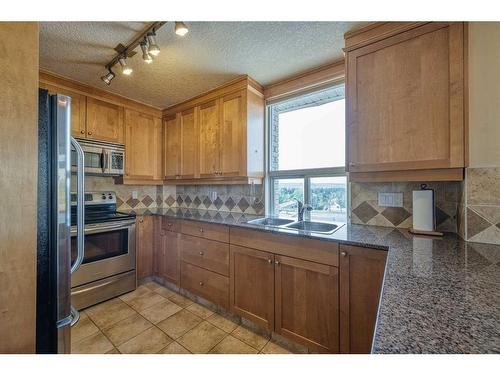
(306, 174)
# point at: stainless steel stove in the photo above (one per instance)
(108, 267)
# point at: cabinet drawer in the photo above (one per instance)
(212, 255)
(318, 251)
(206, 284)
(170, 224)
(209, 231)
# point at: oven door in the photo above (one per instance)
(93, 159)
(109, 250)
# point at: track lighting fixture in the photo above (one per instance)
(146, 56)
(127, 70)
(180, 28)
(153, 47)
(108, 77)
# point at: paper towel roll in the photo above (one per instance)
(423, 210)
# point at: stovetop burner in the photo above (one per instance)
(100, 207)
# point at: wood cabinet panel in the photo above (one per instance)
(143, 146)
(104, 121)
(206, 284)
(405, 101)
(252, 285)
(209, 126)
(361, 276)
(144, 246)
(216, 232)
(307, 305)
(172, 147)
(189, 144)
(324, 252)
(170, 260)
(233, 128)
(211, 255)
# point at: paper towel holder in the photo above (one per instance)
(425, 232)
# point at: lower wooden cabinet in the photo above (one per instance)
(170, 260)
(206, 284)
(306, 303)
(361, 276)
(252, 285)
(144, 247)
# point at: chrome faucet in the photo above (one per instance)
(301, 208)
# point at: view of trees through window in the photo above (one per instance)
(307, 157)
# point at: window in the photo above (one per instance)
(306, 155)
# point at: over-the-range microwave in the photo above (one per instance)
(101, 158)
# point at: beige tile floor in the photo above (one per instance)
(154, 319)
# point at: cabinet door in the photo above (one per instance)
(78, 109)
(170, 258)
(172, 149)
(405, 101)
(104, 121)
(144, 246)
(142, 146)
(189, 144)
(252, 285)
(307, 306)
(361, 276)
(209, 139)
(233, 139)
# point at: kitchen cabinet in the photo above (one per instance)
(168, 256)
(104, 121)
(306, 303)
(209, 117)
(207, 284)
(361, 276)
(189, 144)
(405, 102)
(144, 246)
(143, 147)
(252, 285)
(78, 108)
(221, 136)
(207, 254)
(172, 147)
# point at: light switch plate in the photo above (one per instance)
(390, 199)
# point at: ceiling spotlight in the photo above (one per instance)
(180, 28)
(146, 56)
(127, 70)
(153, 47)
(108, 77)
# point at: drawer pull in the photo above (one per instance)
(201, 230)
(343, 253)
(201, 283)
(201, 252)
(269, 260)
(169, 224)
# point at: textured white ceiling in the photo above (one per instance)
(211, 54)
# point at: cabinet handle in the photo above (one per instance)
(82, 131)
(89, 133)
(269, 261)
(343, 253)
(169, 224)
(201, 252)
(201, 230)
(201, 283)
(277, 262)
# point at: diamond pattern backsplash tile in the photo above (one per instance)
(365, 208)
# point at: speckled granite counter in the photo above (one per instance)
(439, 295)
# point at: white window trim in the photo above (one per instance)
(306, 174)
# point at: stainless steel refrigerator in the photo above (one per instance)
(55, 314)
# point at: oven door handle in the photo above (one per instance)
(107, 227)
(80, 205)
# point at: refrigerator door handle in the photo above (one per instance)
(80, 205)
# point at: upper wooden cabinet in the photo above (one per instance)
(78, 109)
(104, 121)
(221, 136)
(143, 146)
(405, 102)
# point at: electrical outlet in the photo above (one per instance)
(134, 194)
(390, 199)
(213, 195)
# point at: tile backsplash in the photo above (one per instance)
(482, 205)
(247, 199)
(365, 208)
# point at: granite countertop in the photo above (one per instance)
(440, 295)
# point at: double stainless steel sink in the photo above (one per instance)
(309, 226)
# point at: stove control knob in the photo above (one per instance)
(110, 197)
